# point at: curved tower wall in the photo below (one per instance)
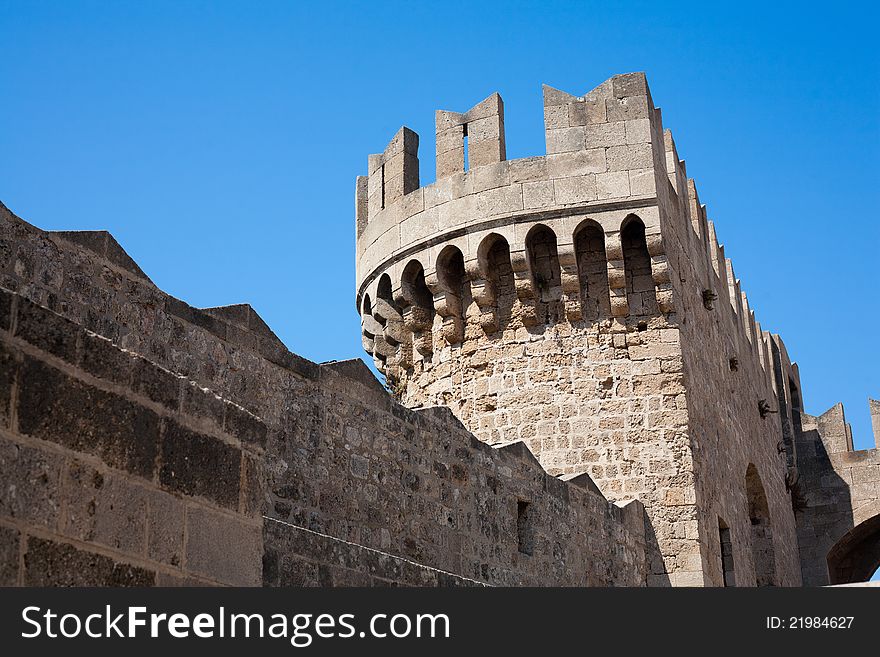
(547, 299)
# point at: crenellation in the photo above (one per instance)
(483, 128)
(675, 168)
(694, 209)
(874, 408)
(394, 172)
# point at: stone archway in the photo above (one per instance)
(763, 553)
(856, 555)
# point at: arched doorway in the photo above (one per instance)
(856, 556)
(763, 553)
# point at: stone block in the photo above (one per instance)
(634, 156)
(204, 405)
(530, 169)
(5, 309)
(603, 135)
(449, 162)
(101, 358)
(30, 490)
(538, 194)
(9, 553)
(500, 201)
(614, 184)
(165, 528)
(629, 84)
(104, 509)
(253, 494)
(565, 140)
(55, 407)
(556, 116)
(47, 331)
(490, 176)
(223, 548)
(575, 190)
(47, 563)
(8, 372)
(567, 165)
(156, 383)
(641, 182)
(638, 131)
(627, 109)
(484, 153)
(185, 458)
(245, 426)
(586, 112)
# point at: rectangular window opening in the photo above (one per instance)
(726, 553)
(465, 144)
(524, 533)
(383, 186)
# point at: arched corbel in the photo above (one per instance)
(616, 274)
(525, 289)
(391, 318)
(417, 319)
(367, 342)
(447, 304)
(399, 333)
(483, 292)
(660, 272)
(570, 282)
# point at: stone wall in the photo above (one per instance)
(734, 413)
(837, 502)
(343, 486)
(116, 471)
(418, 485)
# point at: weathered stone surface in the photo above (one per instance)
(186, 459)
(9, 556)
(105, 509)
(101, 358)
(8, 370)
(156, 383)
(245, 425)
(222, 548)
(47, 331)
(31, 488)
(79, 458)
(47, 563)
(60, 409)
(165, 528)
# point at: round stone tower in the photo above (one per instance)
(580, 302)
(511, 291)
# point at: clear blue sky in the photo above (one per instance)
(219, 142)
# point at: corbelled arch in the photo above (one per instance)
(641, 296)
(592, 269)
(855, 557)
(417, 303)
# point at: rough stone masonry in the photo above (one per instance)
(580, 394)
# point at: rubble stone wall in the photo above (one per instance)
(337, 484)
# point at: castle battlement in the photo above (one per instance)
(608, 163)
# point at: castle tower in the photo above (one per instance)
(580, 302)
